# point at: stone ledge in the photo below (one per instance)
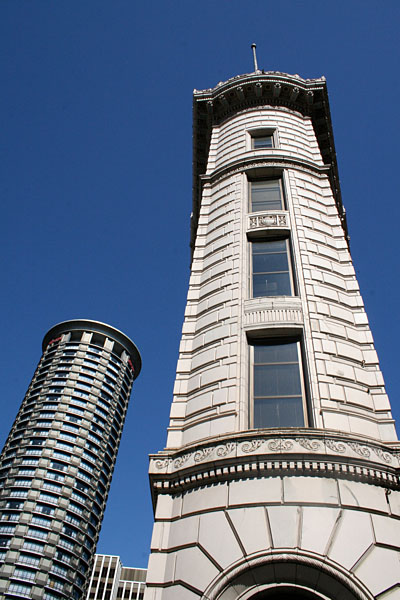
(252, 164)
(258, 223)
(269, 311)
(297, 452)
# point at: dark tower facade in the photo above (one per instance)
(57, 462)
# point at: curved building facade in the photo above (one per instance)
(280, 477)
(57, 463)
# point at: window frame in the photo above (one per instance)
(255, 180)
(274, 341)
(291, 272)
(262, 136)
(261, 132)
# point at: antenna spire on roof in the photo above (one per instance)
(256, 70)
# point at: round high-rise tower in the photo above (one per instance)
(57, 463)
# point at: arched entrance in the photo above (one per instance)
(286, 592)
(286, 576)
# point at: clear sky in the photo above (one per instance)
(95, 176)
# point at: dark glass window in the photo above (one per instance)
(73, 419)
(37, 441)
(58, 465)
(14, 504)
(266, 195)
(46, 510)
(271, 269)
(64, 556)
(70, 531)
(81, 486)
(278, 387)
(262, 141)
(115, 361)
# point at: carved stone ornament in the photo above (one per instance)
(361, 450)
(251, 445)
(178, 462)
(162, 464)
(208, 462)
(282, 162)
(226, 449)
(270, 220)
(311, 445)
(280, 445)
(384, 455)
(202, 454)
(335, 446)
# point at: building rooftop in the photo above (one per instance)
(100, 328)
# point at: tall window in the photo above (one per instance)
(266, 194)
(278, 397)
(271, 268)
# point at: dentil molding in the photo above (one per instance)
(297, 451)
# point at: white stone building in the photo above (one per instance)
(280, 478)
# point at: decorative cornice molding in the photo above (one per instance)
(271, 162)
(297, 452)
(295, 78)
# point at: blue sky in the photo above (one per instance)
(95, 179)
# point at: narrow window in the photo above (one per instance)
(278, 397)
(266, 194)
(262, 140)
(271, 269)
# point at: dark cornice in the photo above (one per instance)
(306, 96)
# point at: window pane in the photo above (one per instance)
(271, 246)
(270, 266)
(276, 284)
(277, 386)
(277, 380)
(264, 141)
(273, 353)
(278, 412)
(270, 262)
(266, 195)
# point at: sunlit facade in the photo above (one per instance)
(280, 476)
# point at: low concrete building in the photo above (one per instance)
(280, 477)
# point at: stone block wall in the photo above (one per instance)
(322, 519)
(345, 385)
